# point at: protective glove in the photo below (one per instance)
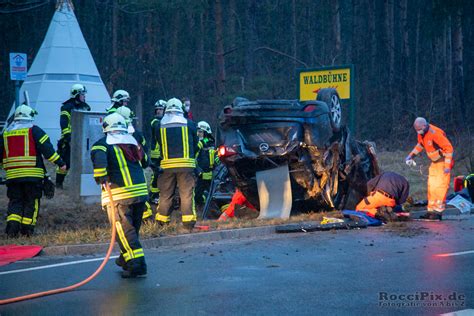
(48, 187)
(101, 180)
(410, 162)
(198, 172)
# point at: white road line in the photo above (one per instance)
(454, 253)
(55, 265)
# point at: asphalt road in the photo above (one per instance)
(369, 271)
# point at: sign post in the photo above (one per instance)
(18, 72)
(341, 78)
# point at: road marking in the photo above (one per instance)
(454, 253)
(56, 265)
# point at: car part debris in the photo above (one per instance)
(274, 191)
(315, 226)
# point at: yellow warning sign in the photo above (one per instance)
(312, 81)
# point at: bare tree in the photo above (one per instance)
(220, 49)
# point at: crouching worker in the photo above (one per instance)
(119, 159)
(386, 191)
(23, 146)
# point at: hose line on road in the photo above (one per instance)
(79, 284)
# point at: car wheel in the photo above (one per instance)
(333, 101)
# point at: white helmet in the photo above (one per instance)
(114, 122)
(174, 105)
(204, 126)
(78, 89)
(127, 114)
(24, 112)
(120, 95)
(160, 104)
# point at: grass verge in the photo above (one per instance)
(62, 221)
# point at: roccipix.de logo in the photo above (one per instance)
(424, 299)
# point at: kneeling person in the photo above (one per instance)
(119, 159)
(385, 190)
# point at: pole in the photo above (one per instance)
(17, 93)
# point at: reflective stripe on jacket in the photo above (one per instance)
(178, 143)
(125, 175)
(22, 151)
(436, 144)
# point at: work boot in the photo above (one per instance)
(432, 216)
(27, 230)
(60, 180)
(189, 225)
(13, 229)
(120, 261)
(386, 214)
(134, 268)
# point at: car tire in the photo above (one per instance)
(331, 97)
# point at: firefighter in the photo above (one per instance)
(206, 159)
(469, 184)
(177, 138)
(440, 151)
(119, 98)
(160, 106)
(77, 101)
(388, 189)
(23, 146)
(119, 159)
(129, 116)
(187, 108)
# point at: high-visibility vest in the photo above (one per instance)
(20, 154)
(177, 147)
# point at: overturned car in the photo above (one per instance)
(328, 169)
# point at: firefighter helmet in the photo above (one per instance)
(120, 95)
(77, 89)
(114, 122)
(160, 104)
(174, 105)
(127, 114)
(204, 126)
(24, 112)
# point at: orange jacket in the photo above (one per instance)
(436, 145)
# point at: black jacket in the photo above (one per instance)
(65, 117)
(111, 162)
(392, 183)
(179, 144)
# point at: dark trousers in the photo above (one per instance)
(128, 220)
(185, 181)
(202, 185)
(154, 182)
(470, 186)
(23, 207)
(64, 150)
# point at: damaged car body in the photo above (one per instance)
(328, 168)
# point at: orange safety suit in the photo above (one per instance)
(375, 200)
(440, 151)
(237, 198)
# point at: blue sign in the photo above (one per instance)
(18, 66)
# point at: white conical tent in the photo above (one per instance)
(62, 60)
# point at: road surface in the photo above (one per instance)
(395, 270)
